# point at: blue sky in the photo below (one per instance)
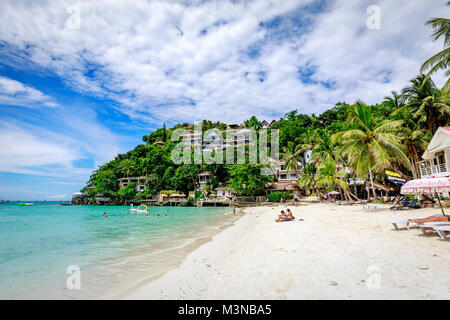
(81, 81)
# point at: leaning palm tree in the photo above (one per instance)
(440, 60)
(370, 143)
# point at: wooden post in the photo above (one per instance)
(440, 204)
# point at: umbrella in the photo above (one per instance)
(333, 192)
(428, 185)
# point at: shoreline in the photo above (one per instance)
(184, 251)
(336, 252)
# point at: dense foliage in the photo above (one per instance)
(277, 196)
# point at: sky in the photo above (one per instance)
(81, 81)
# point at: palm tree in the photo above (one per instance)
(370, 143)
(396, 101)
(253, 122)
(309, 142)
(440, 60)
(330, 177)
(427, 103)
(415, 139)
(126, 166)
(307, 180)
(323, 147)
(291, 155)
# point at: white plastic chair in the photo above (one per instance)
(441, 230)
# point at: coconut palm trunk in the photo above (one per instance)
(371, 184)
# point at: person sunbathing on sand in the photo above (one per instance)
(290, 215)
(431, 219)
(283, 217)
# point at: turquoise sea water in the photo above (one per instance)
(38, 244)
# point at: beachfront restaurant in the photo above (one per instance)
(284, 186)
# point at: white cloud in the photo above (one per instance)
(22, 151)
(28, 149)
(166, 60)
(15, 93)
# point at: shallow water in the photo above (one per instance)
(38, 244)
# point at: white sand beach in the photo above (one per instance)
(336, 252)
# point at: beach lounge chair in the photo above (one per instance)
(441, 230)
(406, 222)
(432, 225)
(414, 204)
(404, 205)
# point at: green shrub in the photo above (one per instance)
(276, 196)
(198, 194)
(128, 192)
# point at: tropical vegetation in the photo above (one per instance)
(347, 143)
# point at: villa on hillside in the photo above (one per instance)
(214, 141)
(204, 178)
(139, 181)
(287, 180)
(288, 175)
(437, 155)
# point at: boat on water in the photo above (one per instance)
(25, 204)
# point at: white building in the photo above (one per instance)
(288, 175)
(308, 155)
(437, 156)
(223, 192)
(139, 181)
(204, 178)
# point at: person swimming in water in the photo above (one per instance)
(105, 214)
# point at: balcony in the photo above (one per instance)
(440, 170)
(285, 176)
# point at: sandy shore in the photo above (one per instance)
(336, 252)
